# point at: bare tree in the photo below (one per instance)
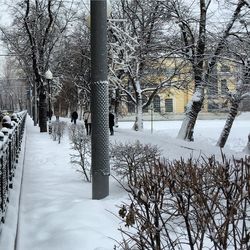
(13, 87)
(235, 97)
(40, 25)
(72, 61)
(137, 53)
(240, 50)
(194, 47)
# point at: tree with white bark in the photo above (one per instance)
(138, 53)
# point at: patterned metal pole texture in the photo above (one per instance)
(99, 100)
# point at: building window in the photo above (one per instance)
(157, 104)
(212, 106)
(247, 73)
(130, 105)
(212, 83)
(169, 105)
(224, 88)
(212, 89)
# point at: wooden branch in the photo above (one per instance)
(32, 44)
(47, 30)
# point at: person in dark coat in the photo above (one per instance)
(74, 117)
(111, 123)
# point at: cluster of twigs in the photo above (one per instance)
(57, 130)
(81, 144)
(193, 204)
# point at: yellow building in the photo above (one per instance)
(226, 75)
(173, 100)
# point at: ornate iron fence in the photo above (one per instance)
(10, 146)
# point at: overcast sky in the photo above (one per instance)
(218, 12)
(6, 21)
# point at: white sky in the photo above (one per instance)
(6, 21)
(57, 212)
(219, 15)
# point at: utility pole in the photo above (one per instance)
(99, 100)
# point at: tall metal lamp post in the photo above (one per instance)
(49, 77)
(99, 100)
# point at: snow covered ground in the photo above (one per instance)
(56, 209)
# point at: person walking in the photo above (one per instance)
(74, 117)
(111, 123)
(87, 122)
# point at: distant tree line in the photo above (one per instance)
(142, 36)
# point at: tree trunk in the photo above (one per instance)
(80, 112)
(35, 113)
(191, 114)
(59, 109)
(69, 111)
(117, 103)
(42, 112)
(228, 125)
(138, 125)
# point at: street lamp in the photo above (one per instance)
(49, 77)
(99, 100)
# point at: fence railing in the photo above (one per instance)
(10, 146)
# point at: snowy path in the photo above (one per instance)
(55, 211)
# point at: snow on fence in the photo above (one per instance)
(11, 136)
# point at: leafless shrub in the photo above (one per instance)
(58, 129)
(229, 224)
(186, 204)
(81, 144)
(128, 159)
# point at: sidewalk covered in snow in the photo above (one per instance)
(56, 211)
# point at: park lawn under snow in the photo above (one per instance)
(56, 209)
